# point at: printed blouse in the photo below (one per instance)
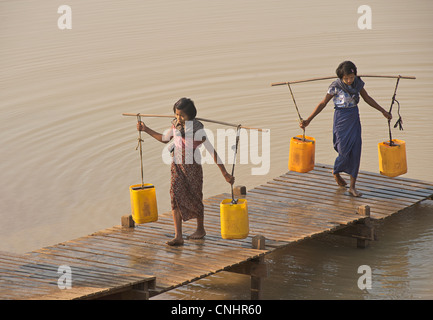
(345, 96)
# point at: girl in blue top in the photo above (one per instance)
(345, 92)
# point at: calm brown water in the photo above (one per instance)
(68, 156)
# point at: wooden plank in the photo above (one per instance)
(417, 193)
(164, 255)
(373, 179)
(271, 207)
(33, 279)
(382, 204)
(283, 196)
(83, 292)
(384, 183)
(339, 201)
(327, 179)
(217, 248)
(400, 179)
(367, 188)
(169, 260)
(271, 224)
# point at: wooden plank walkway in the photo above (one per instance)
(290, 208)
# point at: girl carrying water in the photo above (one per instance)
(186, 189)
(345, 92)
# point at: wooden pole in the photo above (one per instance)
(258, 242)
(333, 77)
(200, 119)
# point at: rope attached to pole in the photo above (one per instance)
(399, 121)
(234, 160)
(297, 110)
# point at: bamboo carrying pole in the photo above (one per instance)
(365, 76)
(200, 119)
(333, 77)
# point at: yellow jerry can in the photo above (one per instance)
(302, 154)
(143, 203)
(392, 159)
(234, 219)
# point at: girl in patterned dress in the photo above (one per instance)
(345, 92)
(186, 188)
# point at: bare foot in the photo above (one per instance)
(198, 234)
(340, 181)
(175, 242)
(355, 192)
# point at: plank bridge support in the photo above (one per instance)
(139, 291)
(362, 230)
(256, 268)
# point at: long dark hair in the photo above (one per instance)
(187, 106)
(346, 68)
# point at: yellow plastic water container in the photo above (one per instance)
(143, 203)
(302, 154)
(234, 219)
(392, 159)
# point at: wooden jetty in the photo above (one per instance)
(128, 261)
